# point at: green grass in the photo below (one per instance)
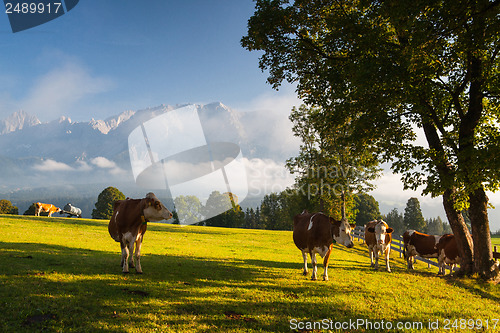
(495, 241)
(63, 275)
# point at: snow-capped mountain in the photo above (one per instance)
(32, 150)
(17, 121)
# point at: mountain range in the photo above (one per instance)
(32, 152)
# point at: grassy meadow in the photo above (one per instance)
(64, 275)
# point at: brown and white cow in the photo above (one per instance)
(45, 208)
(419, 244)
(378, 238)
(129, 223)
(447, 253)
(315, 233)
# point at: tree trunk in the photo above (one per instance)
(461, 232)
(342, 206)
(484, 264)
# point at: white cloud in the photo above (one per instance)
(270, 125)
(104, 163)
(59, 90)
(51, 165)
(266, 176)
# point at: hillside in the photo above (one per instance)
(64, 275)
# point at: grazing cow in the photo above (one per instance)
(419, 244)
(315, 233)
(128, 225)
(447, 253)
(378, 238)
(45, 208)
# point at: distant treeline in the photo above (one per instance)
(275, 212)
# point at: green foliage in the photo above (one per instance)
(31, 210)
(435, 226)
(380, 69)
(396, 221)
(232, 216)
(331, 166)
(413, 218)
(367, 209)
(191, 208)
(6, 207)
(105, 201)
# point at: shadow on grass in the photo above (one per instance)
(54, 288)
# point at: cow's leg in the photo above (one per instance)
(375, 253)
(314, 265)
(371, 250)
(125, 255)
(138, 245)
(325, 263)
(304, 256)
(441, 264)
(387, 254)
(411, 260)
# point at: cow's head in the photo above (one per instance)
(154, 210)
(342, 235)
(380, 230)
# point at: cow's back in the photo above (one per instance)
(300, 224)
(370, 238)
(448, 243)
(113, 222)
(312, 230)
(126, 217)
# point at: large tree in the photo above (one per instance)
(331, 167)
(391, 66)
(105, 201)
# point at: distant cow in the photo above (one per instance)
(419, 244)
(378, 238)
(315, 233)
(71, 210)
(45, 208)
(128, 225)
(447, 253)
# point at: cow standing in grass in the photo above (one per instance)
(45, 208)
(378, 238)
(315, 233)
(447, 253)
(129, 223)
(419, 244)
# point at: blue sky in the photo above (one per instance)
(104, 57)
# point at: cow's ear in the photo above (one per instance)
(371, 229)
(149, 202)
(389, 230)
(353, 225)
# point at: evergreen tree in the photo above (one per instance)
(413, 218)
(105, 201)
(367, 209)
(396, 221)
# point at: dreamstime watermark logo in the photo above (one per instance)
(174, 151)
(26, 14)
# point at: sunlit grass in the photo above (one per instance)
(63, 275)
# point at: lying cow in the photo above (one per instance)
(378, 238)
(447, 253)
(419, 244)
(129, 223)
(71, 210)
(315, 233)
(45, 208)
